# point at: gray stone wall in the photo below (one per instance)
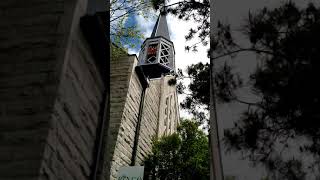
(125, 94)
(150, 118)
(70, 144)
(125, 97)
(50, 91)
(169, 108)
(29, 46)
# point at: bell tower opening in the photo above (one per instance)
(157, 53)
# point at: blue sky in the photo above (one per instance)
(131, 21)
(144, 25)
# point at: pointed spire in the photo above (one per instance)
(161, 27)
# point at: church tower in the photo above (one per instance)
(143, 105)
(156, 56)
(157, 62)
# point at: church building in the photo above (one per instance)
(140, 93)
(68, 111)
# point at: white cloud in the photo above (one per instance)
(178, 29)
(146, 24)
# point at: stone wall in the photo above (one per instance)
(70, 143)
(169, 108)
(29, 47)
(125, 99)
(50, 91)
(69, 152)
(150, 118)
(125, 87)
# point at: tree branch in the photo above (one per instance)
(248, 49)
(183, 2)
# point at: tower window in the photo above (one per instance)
(164, 54)
(152, 53)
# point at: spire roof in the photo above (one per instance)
(161, 27)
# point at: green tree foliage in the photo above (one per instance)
(287, 42)
(122, 34)
(183, 155)
(196, 101)
(199, 96)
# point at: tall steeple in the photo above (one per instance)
(156, 56)
(161, 28)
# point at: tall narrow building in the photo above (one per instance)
(143, 104)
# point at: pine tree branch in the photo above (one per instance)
(249, 49)
(188, 2)
(132, 9)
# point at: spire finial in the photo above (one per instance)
(161, 26)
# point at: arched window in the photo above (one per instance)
(165, 119)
